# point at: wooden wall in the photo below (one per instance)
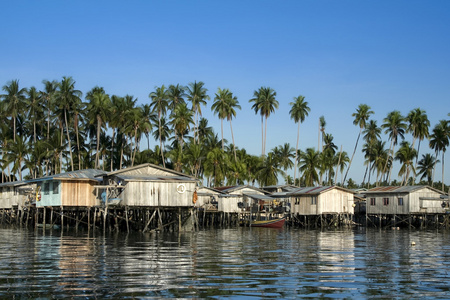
(411, 202)
(157, 193)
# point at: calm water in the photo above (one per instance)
(229, 263)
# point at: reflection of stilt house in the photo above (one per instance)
(327, 205)
(406, 205)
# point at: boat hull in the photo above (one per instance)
(276, 223)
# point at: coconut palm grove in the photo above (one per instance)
(54, 128)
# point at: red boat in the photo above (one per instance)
(275, 223)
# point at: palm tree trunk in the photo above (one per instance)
(262, 135)
(353, 155)
(68, 138)
(221, 132)
(443, 152)
(234, 145)
(296, 152)
(112, 148)
(160, 139)
(99, 123)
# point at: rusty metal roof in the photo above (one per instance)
(396, 189)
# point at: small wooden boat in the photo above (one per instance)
(274, 223)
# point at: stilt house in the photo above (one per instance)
(74, 189)
(16, 194)
(149, 185)
(398, 200)
(242, 198)
(208, 198)
(322, 200)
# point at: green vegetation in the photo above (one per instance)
(52, 130)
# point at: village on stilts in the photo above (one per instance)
(150, 198)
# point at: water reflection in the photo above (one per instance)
(240, 262)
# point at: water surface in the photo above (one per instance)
(227, 263)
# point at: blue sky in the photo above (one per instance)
(391, 55)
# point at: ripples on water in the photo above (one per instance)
(235, 263)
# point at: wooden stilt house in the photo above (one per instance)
(16, 194)
(149, 185)
(402, 200)
(321, 200)
(71, 189)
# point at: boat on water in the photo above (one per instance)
(274, 223)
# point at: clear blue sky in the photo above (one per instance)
(391, 55)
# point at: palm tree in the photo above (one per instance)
(394, 125)
(283, 155)
(216, 161)
(322, 125)
(299, 111)
(194, 157)
(17, 154)
(418, 125)
(196, 93)
(14, 101)
(309, 163)
(182, 118)
(426, 166)
(225, 106)
(160, 103)
(361, 116)
(220, 106)
(33, 102)
(269, 169)
(148, 117)
(176, 95)
(406, 154)
(66, 96)
(99, 108)
(439, 141)
(265, 103)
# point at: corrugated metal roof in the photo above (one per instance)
(395, 189)
(148, 165)
(144, 177)
(258, 196)
(15, 183)
(90, 174)
(311, 190)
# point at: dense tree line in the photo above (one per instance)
(53, 129)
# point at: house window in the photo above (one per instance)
(400, 201)
(55, 187)
(313, 200)
(297, 201)
(385, 201)
(372, 201)
(47, 188)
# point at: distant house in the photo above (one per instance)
(75, 189)
(149, 185)
(279, 188)
(321, 200)
(397, 200)
(16, 194)
(208, 198)
(242, 198)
